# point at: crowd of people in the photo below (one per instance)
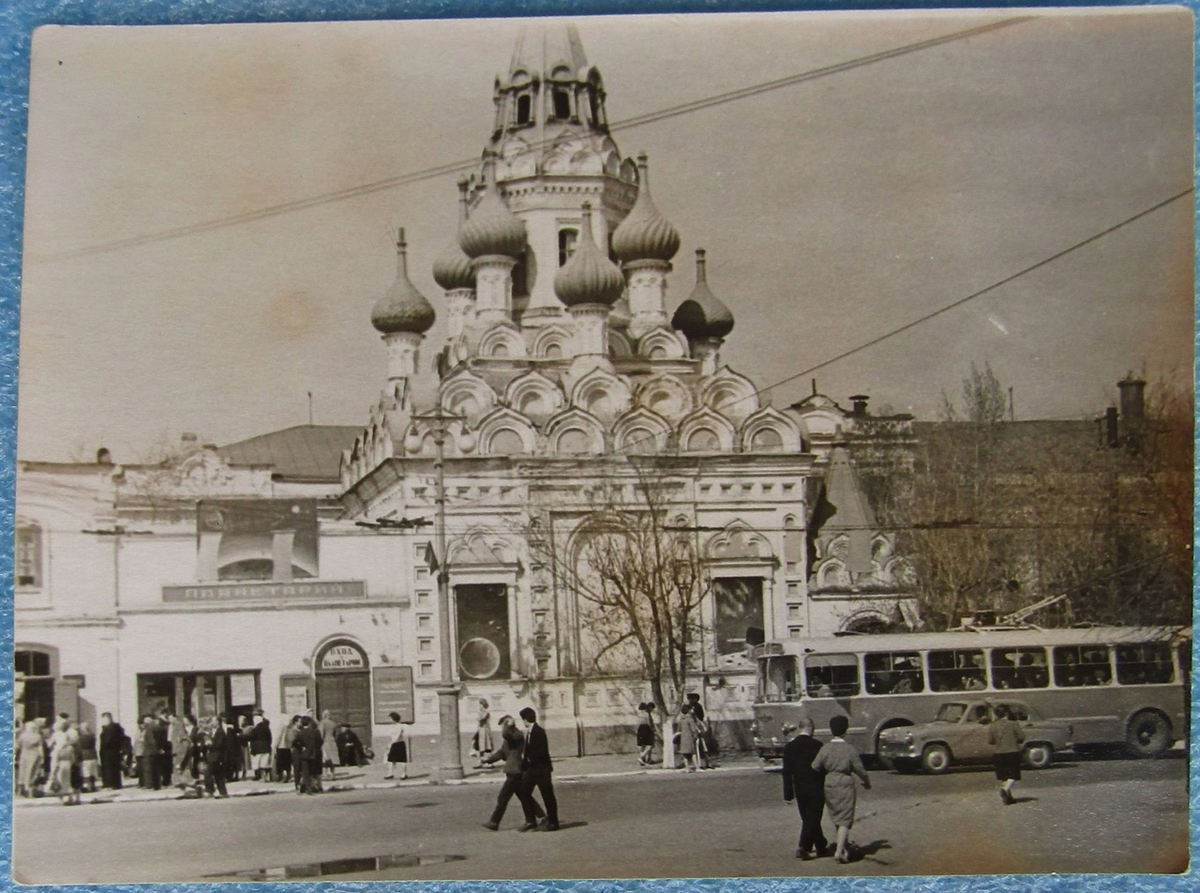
(67, 758)
(694, 742)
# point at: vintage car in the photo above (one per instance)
(959, 734)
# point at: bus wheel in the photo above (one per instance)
(1149, 734)
(935, 759)
(1039, 756)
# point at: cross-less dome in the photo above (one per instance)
(452, 269)
(702, 315)
(402, 308)
(589, 277)
(645, 234)
(492, 228)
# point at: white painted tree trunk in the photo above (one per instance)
(668, 738)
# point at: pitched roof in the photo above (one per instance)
(301, 453)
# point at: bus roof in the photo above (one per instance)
(983, 637)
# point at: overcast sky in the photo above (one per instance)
(834, 210)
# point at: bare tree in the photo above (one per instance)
(631, 556)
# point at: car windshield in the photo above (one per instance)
(951, 712)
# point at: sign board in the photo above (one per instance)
(393, 687)
(215, 592)
(295, 698)
(242, 690)
(343, 656)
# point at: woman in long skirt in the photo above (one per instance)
(482, 744)
(397, 754)
(840, 763)
(689, 735)
(30, 759)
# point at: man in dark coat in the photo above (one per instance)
(306, 753)
(260, 746)
(112, 745)
(807, 786)
(536, 770)
(215, 760)
(512, 750)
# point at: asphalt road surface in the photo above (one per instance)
(1081, 816)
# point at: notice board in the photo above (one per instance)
(393, 689)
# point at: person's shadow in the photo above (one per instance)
(1017, 800)
(862, 851)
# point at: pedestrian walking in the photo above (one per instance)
(840, 763)
(536, 772)
(689, 735)
(703, 760)
(512, 752)
(397, 754)
(645, 734)
(1007, 737)
(481, 744)
(805, 785)
(329, 754)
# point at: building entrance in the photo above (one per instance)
(344, 687)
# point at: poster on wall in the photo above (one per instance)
(242, 690)
(738, 607)
(393, 689)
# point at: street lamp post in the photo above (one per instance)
(450, 765)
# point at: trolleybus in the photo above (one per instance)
(1115, 685)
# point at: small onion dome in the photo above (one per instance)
(589, 277)
(492, 228)
(402, 308)
(702, 315)
(645, 234)
(452, 269)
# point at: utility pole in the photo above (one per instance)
(450, 765)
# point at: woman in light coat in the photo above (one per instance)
(840, 763)
(30, 759)
(689, 735)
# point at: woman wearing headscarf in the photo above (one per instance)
(840, 763)
(30, 759)
(689, 736)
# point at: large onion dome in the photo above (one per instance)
(589, 277)
(702, 315)
(402, 308)
(452, 269)
(492, 228)
(645, 234)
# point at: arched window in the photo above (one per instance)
(574, 441)
(568, 238)
(562, 103)
(640, 441)
(524, 108)
(703, 440)
(28, 555)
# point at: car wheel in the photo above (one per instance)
(1039, 756)
(935, 759)
(1149, 734)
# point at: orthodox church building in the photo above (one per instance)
(298, 570)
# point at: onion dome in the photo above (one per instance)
(589, 277)
(645, 234)
(452, 269)
(402, 308)
(702, 315)
(492, 228)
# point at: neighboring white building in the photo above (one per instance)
(260, 574)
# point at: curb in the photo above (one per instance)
(136, 795)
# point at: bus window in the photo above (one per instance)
(779, 679)
(831, 675)
(1144, 664)
(893, 672)
(960, 670)
(1019, 668)
(1076, 665)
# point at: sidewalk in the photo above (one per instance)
(371, 777)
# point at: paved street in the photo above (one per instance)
(1085, 816)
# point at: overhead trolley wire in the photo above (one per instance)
(470, 164)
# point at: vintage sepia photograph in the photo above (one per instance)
(692, 446)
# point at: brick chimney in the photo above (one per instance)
(859, 404)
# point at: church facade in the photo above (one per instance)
(568, 379)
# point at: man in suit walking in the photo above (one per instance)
(536, 770)
(512, 751)
(807, 786)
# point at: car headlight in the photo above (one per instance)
(908, 737)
